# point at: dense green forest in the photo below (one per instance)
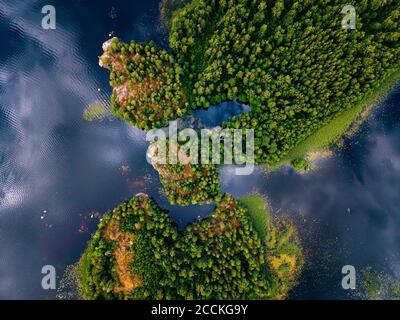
(190, 184)
(126, 256)
(186, 183)
(291, 61)
(138, 253)
(146, 81)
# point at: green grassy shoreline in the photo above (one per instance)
(258, 212)
(345, 124)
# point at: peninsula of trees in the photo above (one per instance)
(148, 91)
(185, 183)
(291, 61)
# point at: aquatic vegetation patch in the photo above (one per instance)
(374, 285)
(284, 254)
(96, 111)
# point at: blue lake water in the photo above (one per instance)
(57, 170)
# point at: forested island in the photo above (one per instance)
(306, 80)
(138, 253)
